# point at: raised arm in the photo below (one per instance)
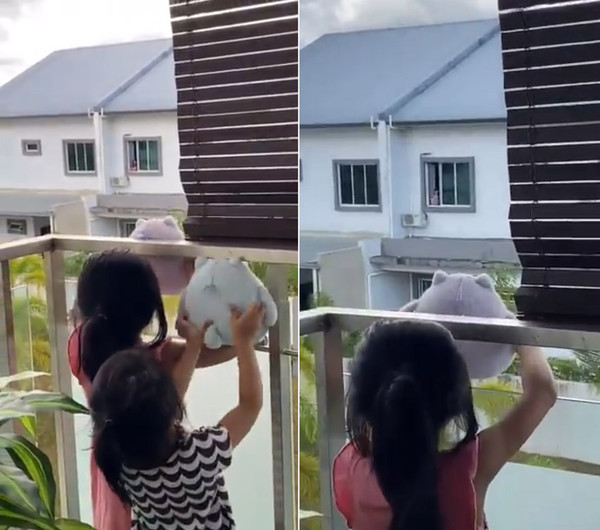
(182, 368)
(501, 441)
(239, 420)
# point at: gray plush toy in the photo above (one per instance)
(215, 286)
(474, 296)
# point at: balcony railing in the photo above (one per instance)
(271, 445)
(545, 486)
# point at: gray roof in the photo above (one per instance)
(133, 76)
(34, 203)
(312, 245)
(417, 74)
(432, 249)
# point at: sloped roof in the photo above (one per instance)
(128, 76)
(347, 78)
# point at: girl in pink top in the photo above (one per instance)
(409, 392)
(118, 296)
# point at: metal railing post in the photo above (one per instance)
(331, 413)
(61, 382)
(8, 361)
(280, 373)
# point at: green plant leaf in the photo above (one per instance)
(42, 401)
(12, 407)
(23, 376)
(307, 514)
(17, 487)
(70, 524)
(29, 422)
(35, 464)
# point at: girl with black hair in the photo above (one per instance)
(409, 394)
(172, 476)
(118, 297)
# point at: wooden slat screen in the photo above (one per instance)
(236, 70)
(551, 58)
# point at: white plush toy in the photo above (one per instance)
(216, 285)
(474, 296)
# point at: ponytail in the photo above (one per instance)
(99, 340)
(109, 459)
(404, 450)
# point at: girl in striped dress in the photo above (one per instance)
(171, 476)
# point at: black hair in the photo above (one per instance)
(136, 412)
(408, 384)
(118, 296)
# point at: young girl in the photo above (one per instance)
(172, 477)
(409, 390)
(117, 298)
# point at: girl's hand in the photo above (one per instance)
(193, 335)
(245, 326)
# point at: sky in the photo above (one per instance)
(32, 29)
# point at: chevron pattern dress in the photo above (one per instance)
(188, 491)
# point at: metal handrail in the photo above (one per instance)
(502, 331)
(186, 249)
(280, 349)
(326, 325)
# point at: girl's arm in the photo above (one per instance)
(500, 442)
(173, 350)
(239, 420)
(183, 367)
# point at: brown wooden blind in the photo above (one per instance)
(551, 58)
(236, 69)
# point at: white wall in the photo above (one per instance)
(159, 124)
(47, 172)
(484, 142)
(318, 149)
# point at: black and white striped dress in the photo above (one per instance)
(188, 492)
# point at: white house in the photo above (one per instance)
(403, 159)
(91, 134)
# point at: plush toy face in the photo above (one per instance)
(217, 285)
(170, 271)
(475, 296)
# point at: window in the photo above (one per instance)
(420, 284)
(126, 228)
(31, 147)
(357, 185)
(79, 157)
(142, 156)
(16, 226)
(449, 184)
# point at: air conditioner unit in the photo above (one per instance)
(413, 220)
(119, 182)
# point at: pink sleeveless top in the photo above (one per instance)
(109, 512)
(359, 499)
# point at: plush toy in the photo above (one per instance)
(171, 271)
(215, 286)
(474, 296)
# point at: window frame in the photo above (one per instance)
(70, 173)
(416, 278)
(337, 189)
(19, 220)
(24, 150)
(146, 173)
(123, 223)
(446, 208)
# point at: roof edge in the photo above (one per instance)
(439, 74)
(127, 84)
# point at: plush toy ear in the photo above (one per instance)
(439, 277)
(169, 220)
(139, 222)
(235, 261)
(485, 281)
(410, 307)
